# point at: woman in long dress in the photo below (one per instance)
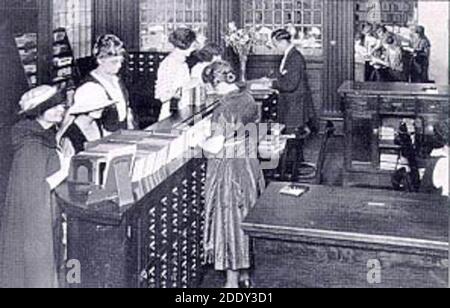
(234, 177)
(27, 237)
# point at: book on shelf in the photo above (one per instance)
(64, 71)
(390, 127)
(392, 160)
(27, 48)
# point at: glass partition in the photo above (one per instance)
(158, 18)
(303, 18)
(76, 17)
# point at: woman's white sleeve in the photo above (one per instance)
(166, 86)
(441, 176)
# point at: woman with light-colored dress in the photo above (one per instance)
(234, 177)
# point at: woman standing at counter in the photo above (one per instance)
(233, 184)
(173, 73)
(27, 251)
(85, 125)
(104, 81)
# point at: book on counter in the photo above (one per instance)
(391, 160)
(102, 155)
(294, 190)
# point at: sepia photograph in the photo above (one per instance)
(208, 145)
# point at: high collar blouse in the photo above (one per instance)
(173, 75)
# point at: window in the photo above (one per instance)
(388, 12)
(158, 18)
(303, 18)
(76, 17)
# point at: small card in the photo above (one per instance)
(294, 190)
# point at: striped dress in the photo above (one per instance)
(232, 187)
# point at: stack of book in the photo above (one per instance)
(391, 160)
(27, 46)
(100, 157)
(63, 66)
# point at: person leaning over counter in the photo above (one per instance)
(174, 74)
(85, 125)
(233, 185)
(27, 244)
(104, 81)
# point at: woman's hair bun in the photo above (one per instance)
(218, 72)
(183, 38)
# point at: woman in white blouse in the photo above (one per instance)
(174, 75)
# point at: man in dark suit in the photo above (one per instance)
(296, 105)
(296, 109)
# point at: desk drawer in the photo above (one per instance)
(434, 107)
(398, 104)
(361, 104)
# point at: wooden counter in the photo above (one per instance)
(154, 242)
(327, 237)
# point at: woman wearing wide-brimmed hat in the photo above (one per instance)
(84, 124)
(27, 251)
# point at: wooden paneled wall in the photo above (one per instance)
(45, 40)
(119, 17)
(221, 13)
(338, 53)
(13, 84)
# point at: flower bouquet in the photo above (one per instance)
(242, 42)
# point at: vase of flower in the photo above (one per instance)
(243, 61)
(242, 42)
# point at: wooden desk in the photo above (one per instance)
(326, 238)
(368, 106)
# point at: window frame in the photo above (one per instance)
(78, 22)
(258, 6)
(148, 18)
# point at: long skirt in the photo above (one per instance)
(232, 189)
